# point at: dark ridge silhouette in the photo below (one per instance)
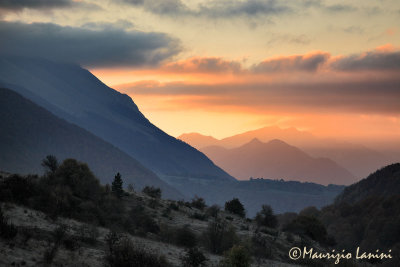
(74, 94)
(29, 133)
(367, 215)
(384, 182)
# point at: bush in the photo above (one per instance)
(266, 217)
(58, 235)
(185, 237)
(152, 191)
(88, 233)
(7, 230)
(213, 211)
(18, 189)
(308, 226)
(198, 216)
(237, 256)
(141, 220)
(193, 258)
(122, 252)
(219, 237)
(261, 246)
(173, 206)
(234, 206)
(198, 203)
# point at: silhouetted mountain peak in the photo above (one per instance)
(277, 142)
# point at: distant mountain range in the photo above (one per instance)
(29, 133)
(357, 159)
(275, 160)
(74, 94)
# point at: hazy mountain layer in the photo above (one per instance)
(277, 160)
(358, 159)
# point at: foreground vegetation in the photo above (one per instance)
(110, 220)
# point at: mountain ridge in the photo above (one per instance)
(277, 159)
(76, 95)
(30, 132)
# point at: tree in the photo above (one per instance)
(50, 164)
(116, 186)
(266, 217)
(234, 206)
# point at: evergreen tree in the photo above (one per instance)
(50, 164)
(116, 186)
(236, 207)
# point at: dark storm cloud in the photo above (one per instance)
(101, 48)
(205, 65)
(17, 5)
(340, 8)
(309, 63)
(214, 9)
(372, 61)
(246, 8)
(34, 4)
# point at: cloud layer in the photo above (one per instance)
(92, 48)
(367, 83)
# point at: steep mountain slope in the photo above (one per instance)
(29, 133)
(367, 214)
(77, 96)
(384, 182)
(358, 159)
(277, 160)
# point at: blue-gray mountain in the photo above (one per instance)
(29, 133)
(74, 94)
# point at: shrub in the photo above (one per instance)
(16, 188)
(88, 233)
(173, 206)
(198, 216)
(213, 211)
(308, 226)
(219, 237)
(141, 220)
(122, 252)
(193, 258)
(234, 206)
(7, 229)
(198, 203)
(58, 235)
(131, 188)
(237, 256)
(185, 237)
(261, 246)
(152, 191)
(266, 217)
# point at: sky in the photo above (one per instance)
(222, 67)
